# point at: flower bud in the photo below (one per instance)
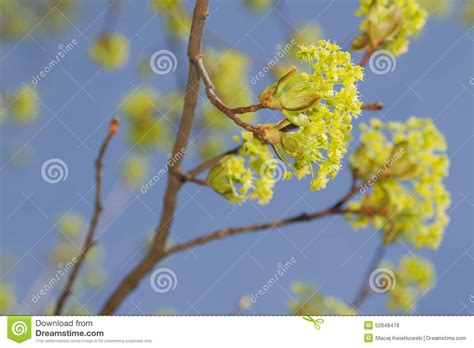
(361, 42)
(291, 102)
(218, 179)
(384, 23)
(298, 119)
(272, 134)
(291, 146)
(230, 178)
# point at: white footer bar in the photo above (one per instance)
(238, 331)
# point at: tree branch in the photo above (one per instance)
(191, 174)
(364, 291)
(369, 51)
(335, 209)
(365, 59)
(377, 106)
(187, 177)
(220, 234)
(174, 183)
(89, 241)
(218, 103)
(176, 178)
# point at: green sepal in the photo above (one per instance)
(298, 119)
(402, 167)
(383, 23)
(361, 42)
(283, 81)
(267, 92)
(299, 101)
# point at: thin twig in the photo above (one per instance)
(209, 163)
(187, 177)
(218, 103)
(335, 209)
(191, 174)
(364, 291)
(377, 106)
(113, 12)
(367, 55)
(176, 178)
(89, 241)
(220, 234)
(374, 46)
(174, 183)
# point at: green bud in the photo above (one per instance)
(291, 146)
(283, 81)
(266, 97)
(299, 101)
(361, 42)
(298, 119)
(270, 96)
(405, 170)
(230, 178)
(384, 23)
(218, 179)
(291, 102)
(272, 134)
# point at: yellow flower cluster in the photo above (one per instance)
(21, 17)
(135, 169)
(259, 5)
(177, 19)
(321, 103)
(249, 174)
(405, 196)
(413, 277)
(23, 104)
(71, 225)
(146, 127)
(7, 298)
(310, 302)
(110, 51)
(389, 24)
(468, 13)
(437, 7)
